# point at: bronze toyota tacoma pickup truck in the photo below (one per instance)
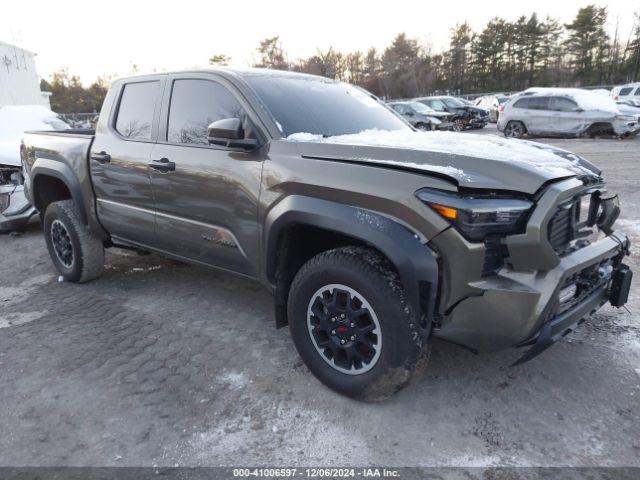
(373, 237)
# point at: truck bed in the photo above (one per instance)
(63, 155)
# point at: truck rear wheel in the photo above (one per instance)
(351, 325)
(77, 253)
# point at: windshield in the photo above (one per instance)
(436, 104)
(502, 100)
(421, 108)
(320, 106)
(453, 102)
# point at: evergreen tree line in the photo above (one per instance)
(504, 56)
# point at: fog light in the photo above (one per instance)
(4, 202)
(567, 293)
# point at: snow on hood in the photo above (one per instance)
(14, 121)
(550, 160)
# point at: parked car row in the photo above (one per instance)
(450, 113)
(423, 117)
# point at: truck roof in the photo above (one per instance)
(238, 72)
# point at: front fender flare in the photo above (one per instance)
(415, 262)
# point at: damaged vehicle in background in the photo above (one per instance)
(564, 112)
(464, 116)
(15, 209)
(423, 117)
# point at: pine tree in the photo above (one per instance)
(588, 44)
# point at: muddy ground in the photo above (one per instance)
(160, 363)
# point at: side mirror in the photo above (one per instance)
(578, 110)
(409, 114)
(228, 132)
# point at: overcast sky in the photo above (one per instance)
(96, 38)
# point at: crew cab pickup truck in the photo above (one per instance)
(372, 236)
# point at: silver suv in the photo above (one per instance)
(564, 112)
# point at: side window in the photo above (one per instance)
(522, 103)
(136, 109)
(399, 108)
(637, 92)
(539, 103)
(625, 91)
(194, 105)
(560, 104)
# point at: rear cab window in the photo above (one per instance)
(136, 110)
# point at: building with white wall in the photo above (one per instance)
(19, 82)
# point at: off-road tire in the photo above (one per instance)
(404, 348)
(87, 249)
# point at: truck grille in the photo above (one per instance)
(573, 220)
(561, 228)
(494, 255)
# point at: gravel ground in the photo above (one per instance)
(160, 363)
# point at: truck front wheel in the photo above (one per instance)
(77, 253)
(351, 325)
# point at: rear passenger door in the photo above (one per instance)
(207, 203)
(119, 160)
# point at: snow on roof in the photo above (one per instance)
(5, 44)
(586, 99)
(470, 145)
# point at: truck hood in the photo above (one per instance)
(473, 161)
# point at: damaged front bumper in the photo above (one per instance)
(615, 289)
(519, 308)
(15, 209)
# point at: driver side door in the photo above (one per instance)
(206, 196)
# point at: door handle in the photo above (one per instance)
(101, 157)
(163, 165)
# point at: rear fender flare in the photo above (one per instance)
(45, 167)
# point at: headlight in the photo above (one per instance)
(434, 120)
(476, 217)
(625, 118)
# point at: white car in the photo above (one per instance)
(629, 92)
(564, 112)
(15, 209)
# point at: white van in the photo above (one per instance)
(629, 92)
